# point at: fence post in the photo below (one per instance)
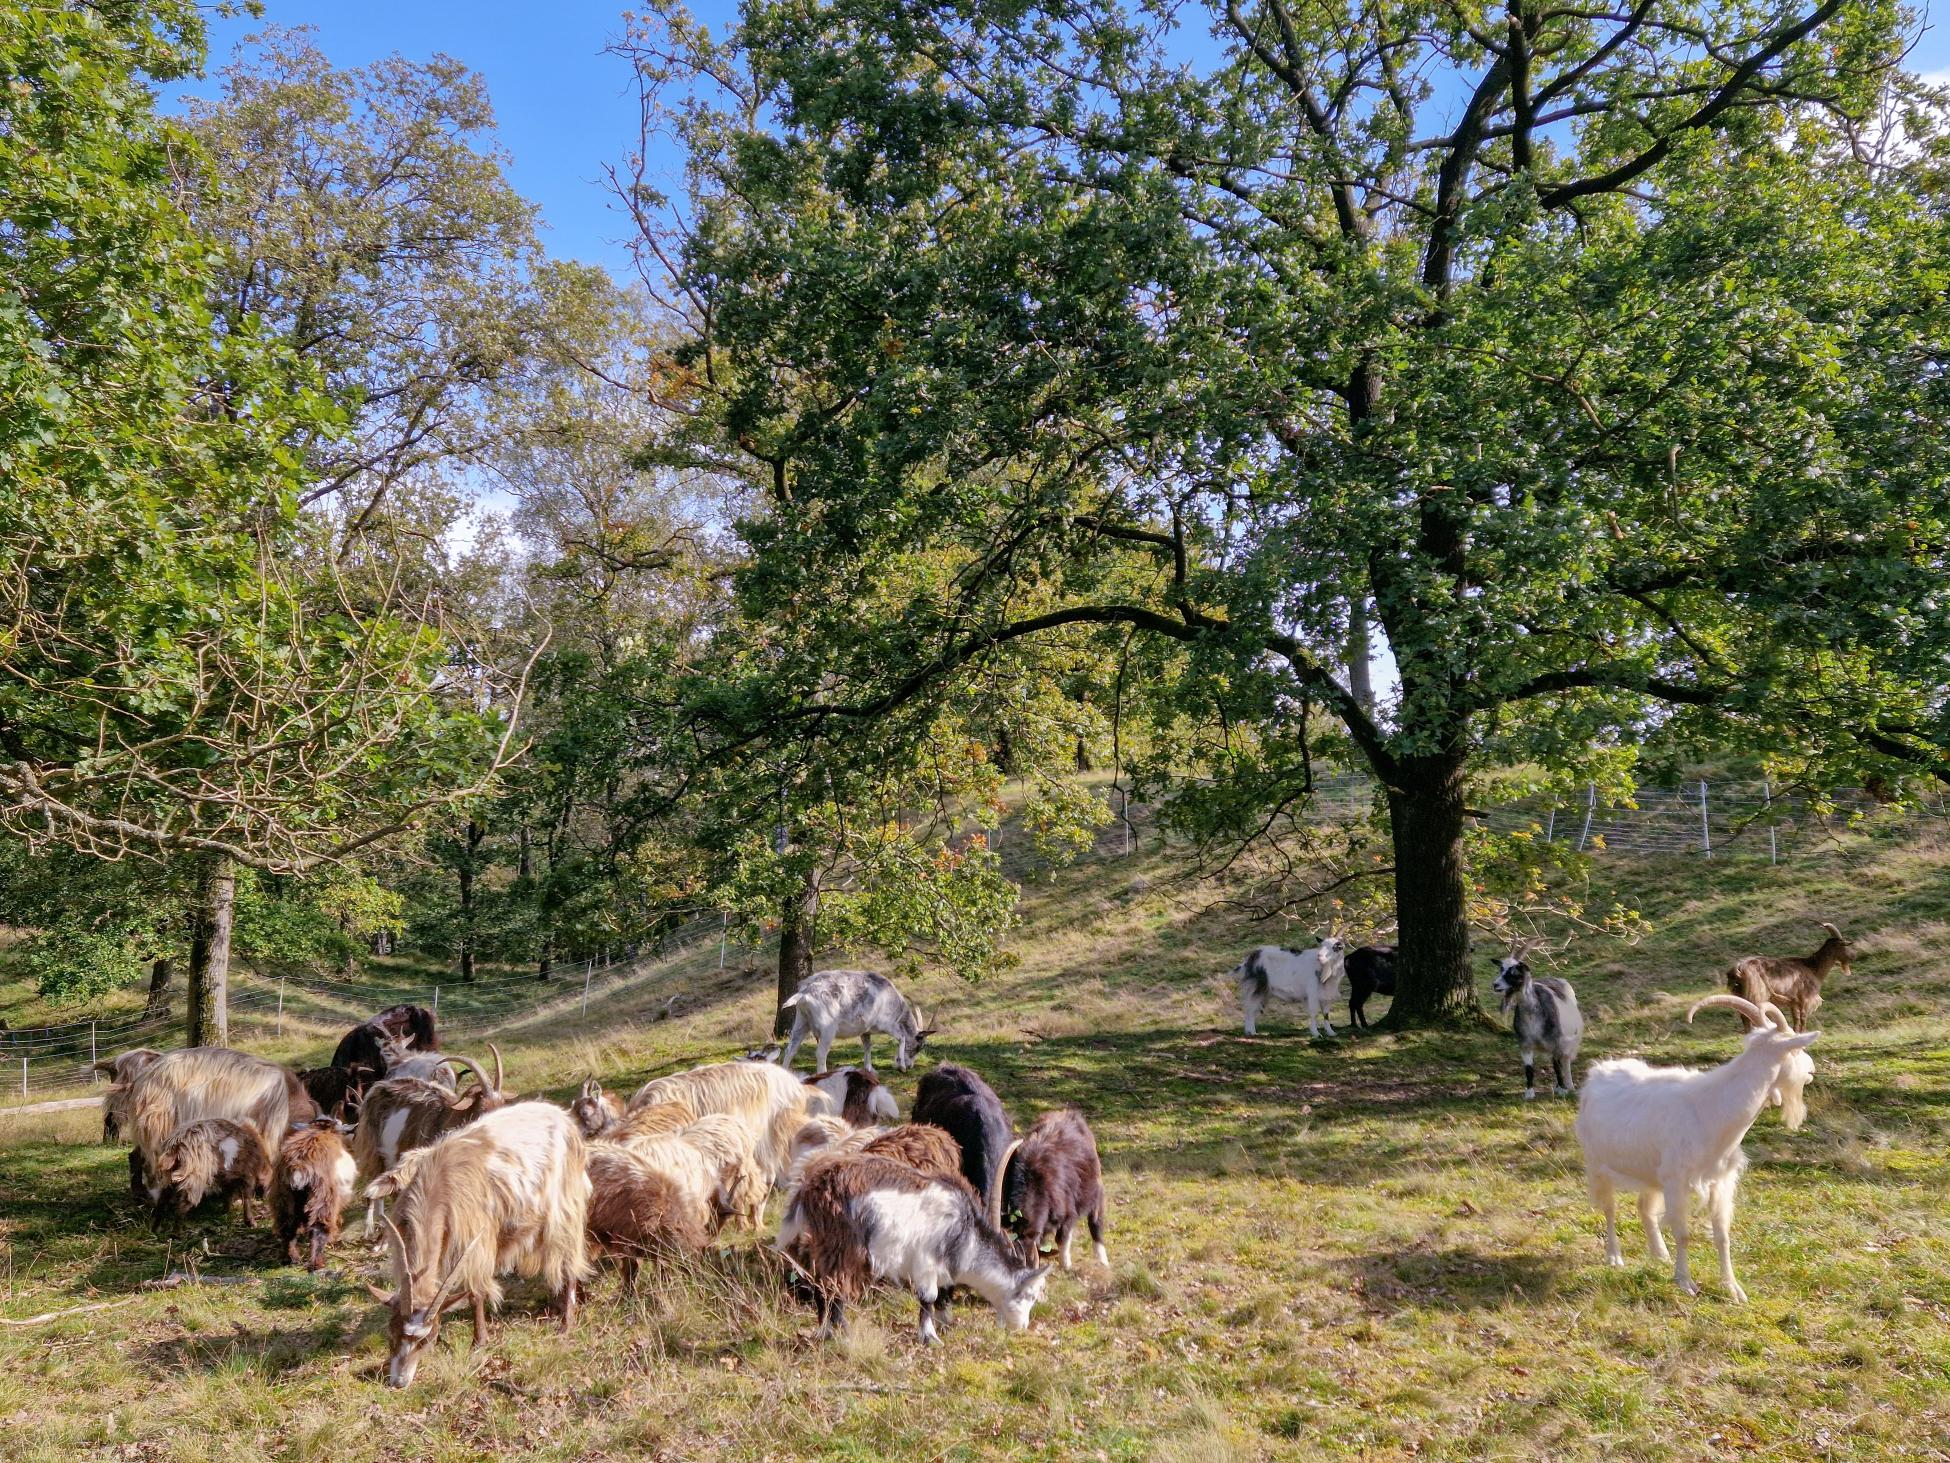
(1705, 829)
(1767, 801)
(436, 1000)
(23, 1079)
(280, 1005)
(1550, 824)
(724, 934)
(92, 1055)
(1590, 807)
(588, 969)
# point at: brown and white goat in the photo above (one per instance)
(311, 1185)
(121, 1071)
(709, 1160)
(769, 1101)
(637, 1211)
(1791, 983)
(867, 1217)
(595, 1110)
(212, 1158)
(858, 1096)
(509, 1193)
(401, 1114)
(921, 1146)
(183, 1087)
(1050, 1180)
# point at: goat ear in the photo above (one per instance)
(384, 1297)
(383, 1187)
(1806, 1038)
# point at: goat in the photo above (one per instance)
(958, 1101)
(363, 1045)
(1671, 1132)
(404, 1113)
(507, 1193)
(768, 1100)
(183, 1087)
(1543, 1013)
(921, 1146)
(1791, 983)
(595, 1110)
(652, 1121)
(859, 1097)
(1050, 1180)
(710, 1161)
(833, 1003)
(121, 1071)
(311, 1185)
(337, 1091)
(867, 1217)
(1313, 976)
(209, 1158)
(1370, 971)
(638, 1211)
(429, 1066)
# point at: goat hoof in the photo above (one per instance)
(1562, 1091)
(1736, 1294)
(1616, 1262)
(1530, 1094)
(1688, 1287)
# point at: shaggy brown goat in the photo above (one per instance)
(1050, 1180)
(637, 1212)
(310, 1188)
(1788, 981)
(405, 1113)
(211, 1158)
(337, 1091)
(595, 1110)
(121, 1070)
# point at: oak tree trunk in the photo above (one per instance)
(1433, 983)
(160, 975)
(209, 999)
(798, 935)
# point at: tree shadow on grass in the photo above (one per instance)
(1457, 1278)
(271, 1351)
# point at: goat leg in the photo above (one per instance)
(317, 1249)
(480, 1319)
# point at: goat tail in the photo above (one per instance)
(791, 1000)
(999, 1184)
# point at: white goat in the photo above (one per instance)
(1671, 1132)
(1313, 976)
(835, 1003)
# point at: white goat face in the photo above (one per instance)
(1014, 1312)
(412, 1336)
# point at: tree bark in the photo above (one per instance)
(798, 936)
(1360, 680)
(160, 975)
(209, 1002)
(475, 833)
(1433, 983)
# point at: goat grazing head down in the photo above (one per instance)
(1771, 1030)
(413, 1324)
(914, 1034)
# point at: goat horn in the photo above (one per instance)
(1000, 1182)
(497, 1065)
(1733, 1003)
(467, 1062)
(1830, 928)
(1775, 1014)
(439, 1301)
(384, 1297)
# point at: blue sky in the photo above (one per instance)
(565, 108)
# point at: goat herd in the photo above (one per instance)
(1664, 1133)
(471, 1184)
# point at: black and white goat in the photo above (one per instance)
(1544, 1014)
(863, 1218)
(858, 1096)
(1313, 976)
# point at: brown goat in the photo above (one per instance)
(121, 1071)
(311, 1186)
(1050, 1180)
(858, 1096)
(401, 1114)
(211, 1158)
(595, 1110)
(337, 1091)
(1788, 981)
(637, 1212)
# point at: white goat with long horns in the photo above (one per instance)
(1671, 1132)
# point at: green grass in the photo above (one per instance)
(1369, 1248)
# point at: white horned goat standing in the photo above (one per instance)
(1671, 1132)
(1313, 976)
(835, 1003)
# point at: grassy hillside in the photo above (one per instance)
(1364, 1248)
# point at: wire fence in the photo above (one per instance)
(1701, 819)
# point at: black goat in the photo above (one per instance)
(1050, 1180)
(1370, 971)
(362, 1045)
(957, 1100)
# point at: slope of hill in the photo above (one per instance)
(1368, 1247)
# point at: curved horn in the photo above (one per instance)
(1733, 1003)
(1776, 1015)
(591, 1088)
(439, 1301)
(1831, 929)
(467, 1062)
(107, 1064)
(497, 1065)
(999, 1183)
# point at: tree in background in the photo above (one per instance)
(1599, 354)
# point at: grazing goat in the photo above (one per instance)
(1544, 1014)
(405, 1061)
(859, 1097)
(768, 1100)
(1370, 971)
(867, 1217)
(1671, 1132)
(364, 1045)
(210, 1158)
(650, 1122)
(834, 1003)
(1050, 1180)
(595, 1110)
(1791, 983)
(955, 1099)
(1313, 976)
(183, 1087)
(401, 1114)
(507, 1193)
(311, 1186)
(337, 1091)
(121, 1071)
(637, 1211)
(921, 1146)
(710, 1161)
